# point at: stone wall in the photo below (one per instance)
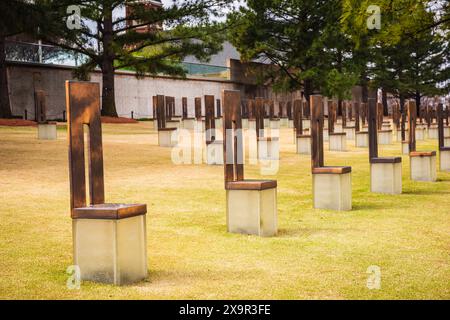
(132, 94)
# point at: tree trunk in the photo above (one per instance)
(417, 97)
(107, 66)
(5, 105)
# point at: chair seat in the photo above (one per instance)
(385, 131)
(331, 170)
(214, 142)
(386, 160)
(444, 148)
(348, 127)
(109, 211)
(303, 136)
(167, 129)
(337, 134)
(422, 153)
(251, 185)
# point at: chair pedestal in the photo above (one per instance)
(362, 139)
(47, 131)
(290, 124)
(189, 124)
(218, 123)
(447, 141)
(405, 148)
(284, 122)
(214, 153)
(385, 137)
(420, 134)
(433, 132)
(110, 250)
(386, 177)
(199, 125)
(167, 137)
(423, 166)
(173, 124)
(304, 144)
(306, 123)
(252, 124)
(337, 142)
(245, 124)
(252, 212)
(444, 159)
(268, 148)
(326, 135)
(350, 132)
(332, 191)
(274, 124)
(266, 123)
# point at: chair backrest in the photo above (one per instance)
(170, 107)
(259, 116)
(440, 119)
(232, 136)
(356, 106)
(379, 115)
(198, 108)
(40, 106)
(161, 111)
(83, 108)
(298, 123)
(184, 104)
(412, 117)
(210, 122)
(218, 108)
(316, 107)
(373, 120)
(331, 115)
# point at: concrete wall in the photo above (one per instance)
(132, 94)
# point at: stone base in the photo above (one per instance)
(268, 148)
(252, 124)
(199, 125)
(385, 137)
(218, 123)
(306, 123)
(350, 132)
(290, 124)
(274, 124)
(47, 131)
(433, 132)
(284, 122)
(362, 139)
(173, 124)
(332, 191)
(189, 124)
(420, 134)
(326, 135)
(446, 131)
(423, 168)
(386, 178)
(447, 142)
(244, 123)
(304, 144)
(167, 138)
(214, 153)
(252, 212)
(444, 160)
(266, 123)
(338, 142)
(338, 128)
(405, 148)
(111, 251)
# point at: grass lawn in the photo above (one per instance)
(316, 255)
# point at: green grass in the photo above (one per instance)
(317, 255)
